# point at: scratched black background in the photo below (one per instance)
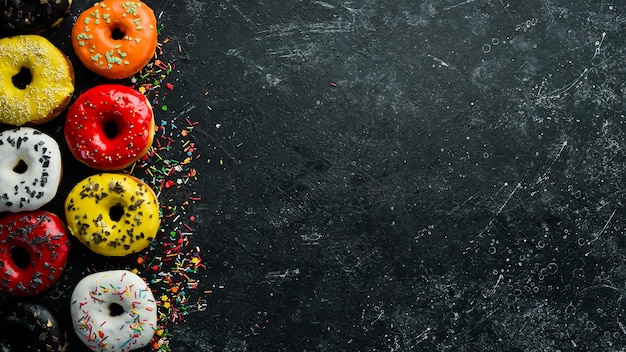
(414, 175)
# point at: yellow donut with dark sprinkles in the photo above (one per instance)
(115, 38)
(112, 214)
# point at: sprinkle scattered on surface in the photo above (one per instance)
(171, 264)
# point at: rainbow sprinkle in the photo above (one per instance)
(171, 264)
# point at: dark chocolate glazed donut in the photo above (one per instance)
(33, 16)
(26, 326)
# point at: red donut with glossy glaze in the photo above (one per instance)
(33, 252)
(109, 127)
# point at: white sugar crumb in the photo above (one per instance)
(51, 82)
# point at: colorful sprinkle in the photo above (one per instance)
(172, 263)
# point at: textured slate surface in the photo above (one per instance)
(397, 175)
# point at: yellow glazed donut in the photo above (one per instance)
(112, 214)
(36, 80)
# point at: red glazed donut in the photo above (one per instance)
(33, 252)
(109, 127)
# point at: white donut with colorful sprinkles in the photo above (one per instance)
(113, 311)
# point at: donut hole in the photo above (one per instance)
(116, 212)
(20, 167)
(111, 129)
(117, 33)
(115, 309)
(20, 257)
(23, 78)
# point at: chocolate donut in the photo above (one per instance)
(26, 326)
(33, 16)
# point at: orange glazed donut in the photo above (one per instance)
(109, 127)
(115, 38)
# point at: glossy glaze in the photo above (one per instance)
(43, 238)
(115, 38)
(101, 109)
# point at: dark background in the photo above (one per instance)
(385, 175)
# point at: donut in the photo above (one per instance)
(33, 252)
(113, 311)
(28, 16)
(115, 38)
(36, 80)
(26, 326)
(30, 169)
(112, 214)
(109, 127)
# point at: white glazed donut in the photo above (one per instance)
(113, 311)
(30, 169)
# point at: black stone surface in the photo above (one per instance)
(396, 175)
